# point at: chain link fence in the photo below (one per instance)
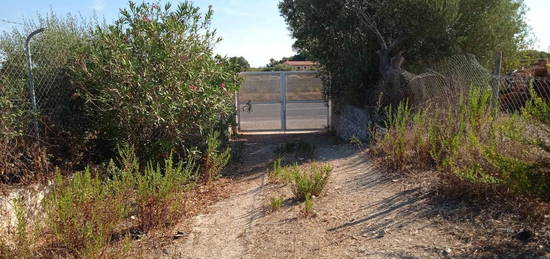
(39, 115)
(516, 91)
(446, 81)
(34, 85)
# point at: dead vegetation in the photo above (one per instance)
(87, 214)
(481, 154)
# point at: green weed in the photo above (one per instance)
(309, 180)
(215, 159)
(279, 173)
(83, 212)
(276, 203)
(308, 206)
(472, 142)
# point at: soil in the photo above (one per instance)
(365, 212)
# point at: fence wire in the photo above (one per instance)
(516, 91)
(446, 81)
(50, 83)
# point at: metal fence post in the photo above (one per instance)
(282, 85)
(30, 81)
(496, 79)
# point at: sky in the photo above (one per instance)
(250, 28)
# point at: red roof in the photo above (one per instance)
(301, 63)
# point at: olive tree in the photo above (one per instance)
(359, 42)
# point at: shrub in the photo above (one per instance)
(279, 172)
(215, 160)
(85, 211)
(82, 213)
(473, 143)
(23, 241)
(58, 108)
(160, 197)
(19, 157)
(151, 80)
(537, 108)
(309, 180)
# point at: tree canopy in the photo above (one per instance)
(240, 64)
(426, 31)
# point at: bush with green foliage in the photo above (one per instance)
(279, 173)
(151, 80)
(59, 113)
(215, 158)
(473, 143)
(85, 212)
(332, 33)
(308, 206)
(309, 180)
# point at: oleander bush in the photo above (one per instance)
(152, 80)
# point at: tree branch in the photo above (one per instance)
(369, 22)
(397, 41)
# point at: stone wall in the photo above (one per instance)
(351, 121)
(31, 197)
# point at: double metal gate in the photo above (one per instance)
(282, 101)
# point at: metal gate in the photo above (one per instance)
(282, 101)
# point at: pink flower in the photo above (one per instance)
(193, 88)
(146, 19)
(222, 86)
(155, 6)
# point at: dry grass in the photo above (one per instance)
(477, 148)
(86, 214)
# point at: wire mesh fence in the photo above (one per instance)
(57, 103)
(35, 88)
(446, 81)
(514, 91)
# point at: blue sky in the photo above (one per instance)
(249, 28)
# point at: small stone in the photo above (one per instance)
(380, 234)
(447, 251)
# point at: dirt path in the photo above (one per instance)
(225, 232)
(363, 214)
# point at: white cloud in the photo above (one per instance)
(98, 5)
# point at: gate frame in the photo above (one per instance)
(282, 100)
